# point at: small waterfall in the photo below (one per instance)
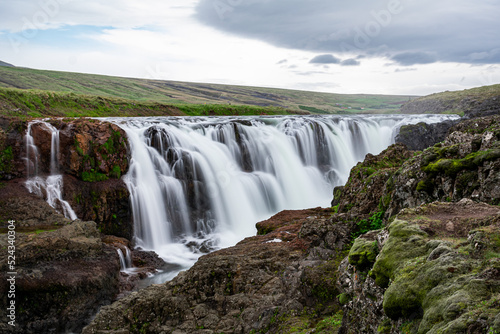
(51, 186)
(126, 265)
(200, 183)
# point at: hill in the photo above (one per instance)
(2, 63)
(184, 93)
(475, 102)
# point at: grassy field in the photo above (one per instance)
(183, 95)
(37, 103)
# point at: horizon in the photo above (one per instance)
(394, 47)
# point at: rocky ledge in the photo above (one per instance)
(63, 276)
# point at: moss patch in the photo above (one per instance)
(363, 253)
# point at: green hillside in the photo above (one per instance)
(183, 93)
(476, 101)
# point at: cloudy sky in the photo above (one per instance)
(379, 46)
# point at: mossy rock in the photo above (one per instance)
(406, 241)
(431, 280)
(363, 253)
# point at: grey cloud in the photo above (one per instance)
(457, 31)
(325, 59)
(413, 58)
(350, 62)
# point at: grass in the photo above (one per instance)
(184, 95)
(39, 103)
(452, 102)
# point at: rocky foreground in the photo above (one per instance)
(410, 245)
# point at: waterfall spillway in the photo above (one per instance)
(50, 186)
(201, 183)
(126, 265)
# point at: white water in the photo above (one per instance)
(126, 265)
(49, 187)
(201, 183)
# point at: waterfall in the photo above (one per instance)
(126, 265)
(51, 186)
(200, 183)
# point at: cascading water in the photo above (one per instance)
(201, 183)
(49, 187)
(126, 265)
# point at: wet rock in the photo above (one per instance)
(107, 203)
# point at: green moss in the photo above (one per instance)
(113, 144)
(78, 148)
(426, 185)
(363, 253)
(374, 222)
(405, 241)
(93, 176)
(6, 160)
(330, 324)
(116, 172)
(343, 298)
(451, 167)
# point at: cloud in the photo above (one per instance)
(406, 31)
(325, 59)
(350, 62)
(413, 58)
(407, 69)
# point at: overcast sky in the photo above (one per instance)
(380, 46)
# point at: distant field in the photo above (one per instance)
(29, 103)
(183, 94)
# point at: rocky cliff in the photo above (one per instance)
(92, 158)
(65, 271)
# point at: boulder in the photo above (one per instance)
(63, 277)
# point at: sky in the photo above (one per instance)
(407, 47)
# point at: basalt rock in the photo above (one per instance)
(418, 137)
(269, 283)
(92, 158)
(63, 277)
(11, 148)
(465, 165)
(363, 193)
(90, 150)
(105, 202)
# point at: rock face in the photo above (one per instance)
(63, 277)
(363, 193)
(465, 165)
(269, 283)
(418, 137)
(11, 148)
(93, 156)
